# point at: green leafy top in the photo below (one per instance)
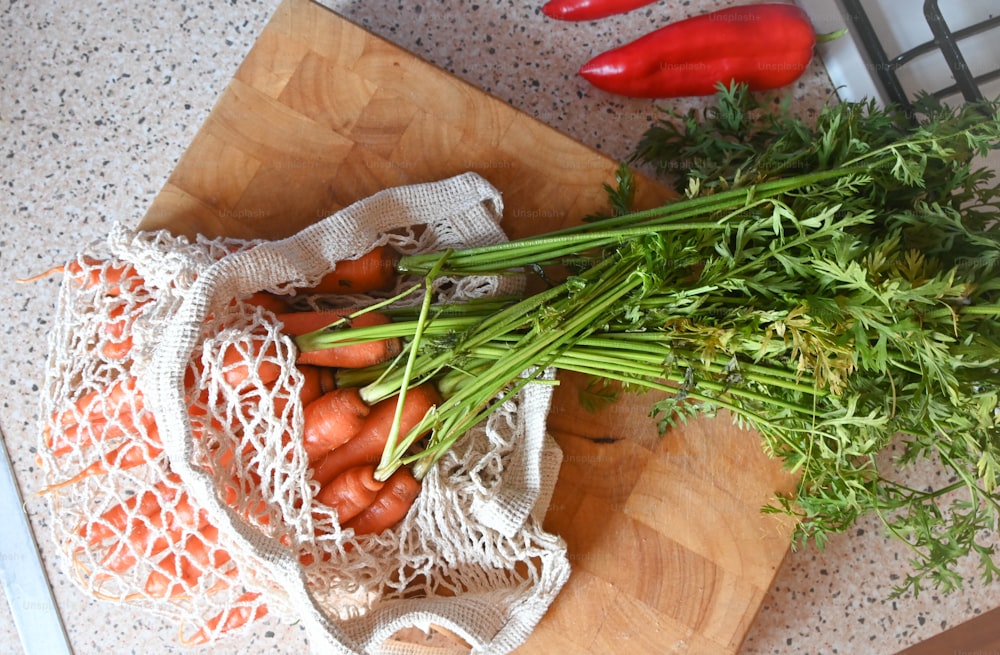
(895, 312)
(831, 285)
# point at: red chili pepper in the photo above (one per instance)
(765, 46)
(579, 10)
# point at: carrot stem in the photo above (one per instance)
(390, 454)
(329, 335)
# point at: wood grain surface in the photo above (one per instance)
(669, 549)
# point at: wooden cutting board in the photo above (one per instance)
(670, 552)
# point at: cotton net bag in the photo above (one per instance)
(176, 475)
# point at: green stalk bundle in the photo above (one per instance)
(832, 286)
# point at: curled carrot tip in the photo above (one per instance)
(41, 276)
(128, 455)
(44, 491)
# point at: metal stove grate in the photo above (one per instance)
(945, 40)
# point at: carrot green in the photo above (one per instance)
(832, 285)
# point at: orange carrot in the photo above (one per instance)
(351, 492)
(139, 541)
(199, 553)
(115, 520)
(183, 513)
(178, 576)
(367, 445)
(297, 323)
(73, 436)
(244, 611)
(199, 406)
(238, 360)
(118, 333)
(177, 507)
(99, 404)
(268, 301)
(91, 271)
(345, 356)
(331, 420)
(391, 504)
(257, 511)
(204, 550)
(119, 277)
(317, 380)
(91, 418)
(373, 271)
(129, 454)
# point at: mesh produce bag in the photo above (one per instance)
(171, 446)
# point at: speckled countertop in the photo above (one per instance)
(99, 100)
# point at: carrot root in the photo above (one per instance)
(332, 420)
(268, 301)
(115, 520)
(390, 505)
(317, 380)
(124, 457)
(118, 277)
(44, 274)
(373, 271)
(367, 445)
(351, 492)
(357, 355)
(237, 364)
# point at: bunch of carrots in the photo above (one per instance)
(343, 436)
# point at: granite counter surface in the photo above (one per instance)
(99, 100)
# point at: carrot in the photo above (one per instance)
(183, 513)
(171, 524)
(367, 445)
(351, 492)
(175, 576)
(200, 553)
(98, 404)
(297, 323)
(346, 356)
(67, 438)
(242, 612)
(268, 301)
(239, 358)
(199, 406)
(90, 272)
(204, 550)
(138, 542)
(256, 511)
(117, 332)
(128, 454)
(317, 380)
(115, 520)
(373, 271)
(390, 505)
(142, 528)
(331, 420)
(89, 419)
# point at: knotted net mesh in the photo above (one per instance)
(171, 446)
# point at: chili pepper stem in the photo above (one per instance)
(831, 36)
